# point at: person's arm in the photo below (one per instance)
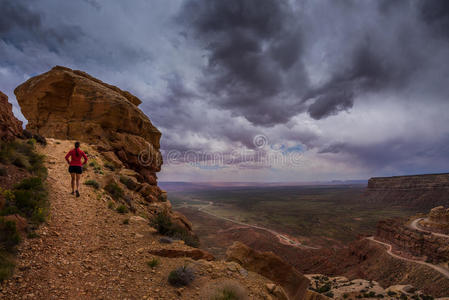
(67, 157)
(85, 158)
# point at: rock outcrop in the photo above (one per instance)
(10, 126)
(70, 104)
(272, 267)
(416, 191)
(439, 215)
(418, 243)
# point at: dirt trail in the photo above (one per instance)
(84, 251)
(442, 270)
(415, 225)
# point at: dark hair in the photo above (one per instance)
(77, 145)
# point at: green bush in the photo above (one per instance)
(95, 166)
(165, 226)
(92, 183)
(154, 262)
(122, 209)
(324, 288)
(22, 155)
(181, 276)
(329, 294)
(114, 190)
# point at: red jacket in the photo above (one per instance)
(76, 159)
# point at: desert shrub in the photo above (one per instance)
(111, 205)
(324, 288)
(29, 198)
(181, 276)
(95, 166)
(122, 209)
(6, 265)
(92, 183)
(128, 182)
(188, 238)
(22, 155)
(329, 294)
(229, 290)
(109, 165)
(126, 221)
(3, 172)
(162, 197)
(153, 263)
(165, 226)
(31, 142)
(114, 190)
(9, 237)
(345, 296)
(32, 235)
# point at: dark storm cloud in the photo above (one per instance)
(436, 14)
(250, 45)
(21, 26)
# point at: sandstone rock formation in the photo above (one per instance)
(10, 127)
(417, 191)
(70, 104)
(272, 267)
(439, 215)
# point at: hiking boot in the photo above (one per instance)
(77, 194)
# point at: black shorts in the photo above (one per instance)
(76, 169)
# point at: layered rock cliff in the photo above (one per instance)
(10, 126)
(416, 191)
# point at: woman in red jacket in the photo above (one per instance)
(76, 166)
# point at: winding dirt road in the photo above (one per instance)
(442, 270)
(415, 225)
(282, 238)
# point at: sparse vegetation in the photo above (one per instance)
(92, 183)
(181, 276)
(114, 190)
(109, 165)
(96, 167)
(128, 182)
(122, 209)
(165, 226)
(111, 205)
(126, 221)
(153, 263)
(22, 155)
(229, 290)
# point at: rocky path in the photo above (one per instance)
(439, 269)
(415, 225)
(85, 251)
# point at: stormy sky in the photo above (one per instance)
(258, 90)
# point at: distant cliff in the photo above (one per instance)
(416, 191)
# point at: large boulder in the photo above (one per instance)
(70, 104)
(10, 126)
(272, 267)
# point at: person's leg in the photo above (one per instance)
(73, 182)
(78, 176)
